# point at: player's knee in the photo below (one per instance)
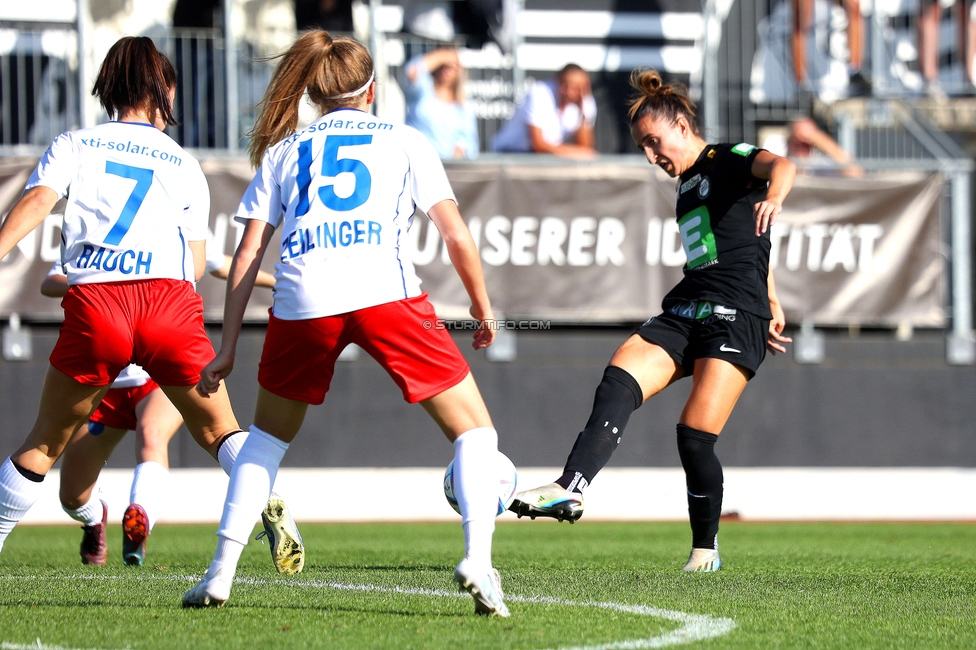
(696, 449)
(153, 438)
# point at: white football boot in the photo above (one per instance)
(703, 560)
(212, 591)
(287, 547)
(484, 586)
(551, 500)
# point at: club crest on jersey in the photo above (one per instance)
(703, 188)
(689, 184)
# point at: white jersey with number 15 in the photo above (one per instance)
(344, 191)
(135, 198)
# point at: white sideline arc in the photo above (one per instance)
(694, 627)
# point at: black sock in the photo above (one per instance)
(26, 473)
(703, 476)
(617, 396)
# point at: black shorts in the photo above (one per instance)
(695, 330)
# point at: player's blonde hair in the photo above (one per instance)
(660, 100)
(329, 69)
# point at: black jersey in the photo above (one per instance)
(727, 262)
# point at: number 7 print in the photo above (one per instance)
(143, 179)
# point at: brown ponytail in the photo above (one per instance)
(135, 75)
(316, 62)
(660, 100)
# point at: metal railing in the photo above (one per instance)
(754, 84)
(38, 87)
(749, 45)
(39, 90)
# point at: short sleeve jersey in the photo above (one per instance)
(727, 262)
(134, 200)
(344, 191)
(540, 109)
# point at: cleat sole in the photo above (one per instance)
(135, 531)
(561, 511)
(287, 552)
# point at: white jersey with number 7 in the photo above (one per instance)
(344, 191)
(135, 198)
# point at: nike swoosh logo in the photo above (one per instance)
(725, 348)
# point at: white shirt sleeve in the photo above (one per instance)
(541, 107)
(589, 111)
(55, 270)
(428, 180)
(56, 169)
(197, 211)
(262, 199)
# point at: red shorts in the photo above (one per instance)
(155, 323)
(299, 356)
(118, 407)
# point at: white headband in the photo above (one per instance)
(355, 92)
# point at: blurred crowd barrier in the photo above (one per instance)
(598, 243)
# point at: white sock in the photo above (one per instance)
(149, 484)
(89, 514)
(224, 564)
(476, 489)
(229, 450)
(250, 485)
(17, 495)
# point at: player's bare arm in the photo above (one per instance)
(465, 258)
(776, 341)
(199, 251)
(27, 214)
(780, 173)
(240, 283)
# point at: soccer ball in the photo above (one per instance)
(507, 479)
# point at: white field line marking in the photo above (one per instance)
(695, 627)
(37, 645)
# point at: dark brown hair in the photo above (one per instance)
(135, 75)
(325, 67)
(660, 100)
(569, 68)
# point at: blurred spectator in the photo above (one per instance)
(269, 30)
(330, 15)
(478, 21)
(436, 106)
(803, 20)
(556, 117)
(930, 16)
(807, 141)
(431, 19)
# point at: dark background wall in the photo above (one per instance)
(874, 402)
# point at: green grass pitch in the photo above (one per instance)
(594, 585)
